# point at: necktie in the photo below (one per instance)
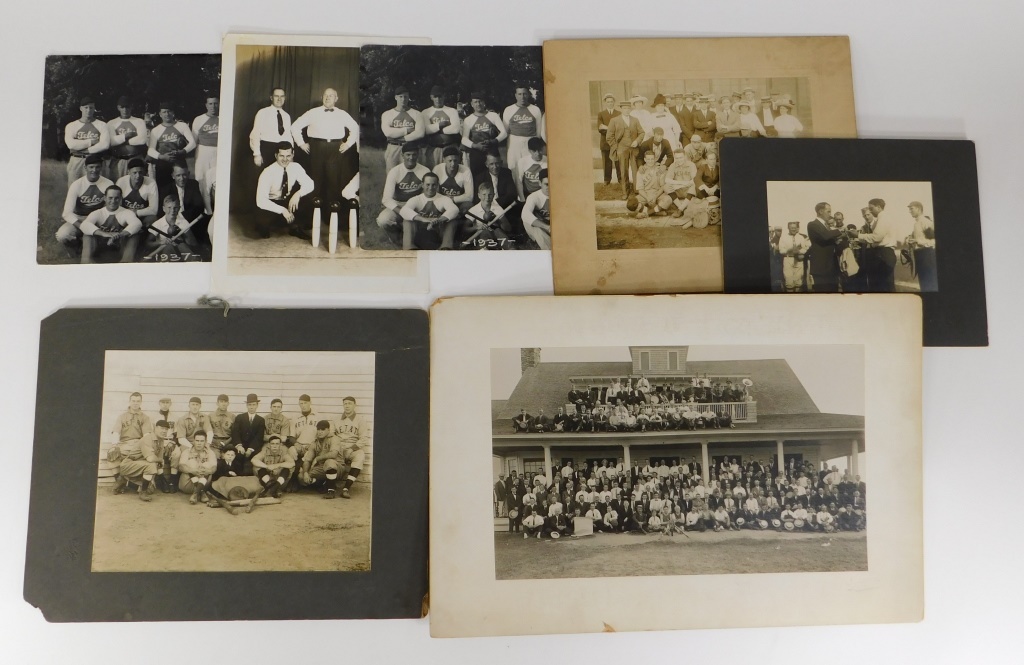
(280, 123)
(284, 183)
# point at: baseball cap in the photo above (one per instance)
(222, 398)
(274, 437)
(304, 398)
(162, 423)
(194, 400)
(323, 424)
(94, 159)
(436, 91)
(123, 101)
(401, 90)
(86, 101)
(166, 105)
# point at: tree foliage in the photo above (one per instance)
(460, 70)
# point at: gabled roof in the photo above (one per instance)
(777, 389)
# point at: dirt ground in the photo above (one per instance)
(617, 229)
(303, 533)
(622, 555)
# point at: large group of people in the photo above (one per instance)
(208, 455)
(837, 256)
(447, 186)
(286, 195)
(670, 496)
(664, 155)
(634, 404)
(131, 193)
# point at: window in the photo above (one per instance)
(533, 466)
(645, 361)
(673, 360)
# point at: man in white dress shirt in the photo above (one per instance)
(86, 136)
(401, 124)
(128, 139)
(792, 247)
(271, 126)
(280, 191)
(111, 227)
(329, 133)
(523, 121)
(442, 127)
(884, 241)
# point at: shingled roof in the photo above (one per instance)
(777, 389)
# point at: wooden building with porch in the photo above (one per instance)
(779, 418)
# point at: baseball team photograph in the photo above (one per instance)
(129, 158)
(453, 151)
(656, 159)
(214, 461)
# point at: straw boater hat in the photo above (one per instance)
(789, 526)
(740, 521)
(608, 96)
(776, 522)
(637, 98)
(762, 523)
(798, 523)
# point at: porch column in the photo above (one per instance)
(853, 454)
(547, 463)
(627, 463)
(781, 461)
(704, 471)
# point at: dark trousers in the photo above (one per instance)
(883, 277)
(268, 153)
(825, 283)
(326, 171)
(163, 172)
(609, 166)
(266, 220)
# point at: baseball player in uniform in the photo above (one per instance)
(456, 182)
(84, 137)
(403, 182)
(140, 460)
(198, 464)
(272, 467)
(169, 144)
(111, 227)
(129, 137)
(320, 463)
(482, 132)
(350, 431)
(185, 429)
(401, 125)
(537, 213)
(523, 121)
(793, 247)
(140, 192)
(329, 133)
(220, 424)
(442, 128)
(85, 196)
(271, 126)
(276, 422)
(428, 219)
(530, 166)
(205, 129)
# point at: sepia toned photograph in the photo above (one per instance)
(292, 192)
(234, 461)
(453, 153)
(128, 158)
(632, 227)
(678, 460)
(862, 237)
(656, 159)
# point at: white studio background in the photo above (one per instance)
(939, 69)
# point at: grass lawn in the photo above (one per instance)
(622, 555)
(53, 188)
(617, 228)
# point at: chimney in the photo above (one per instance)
(529, 358)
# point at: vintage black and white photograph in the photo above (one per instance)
(235, 461)
(862, 236)
(453, 152)
(678, 460)
(656, 175)
(293, 167)
(129, 157)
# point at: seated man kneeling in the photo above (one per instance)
(166, 235)
(273, 467)
(429, 218)
(198, 465)
(111, 227)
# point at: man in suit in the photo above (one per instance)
(683, 111)
(659, 146)
(704, 120)
(499, 496)
(624, 137)
(522, 422)
(247, 431)
(604, 118)
(822, 257)
(190, 197)
(514, 492)
(708, 174)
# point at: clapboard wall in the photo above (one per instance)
(326, 389)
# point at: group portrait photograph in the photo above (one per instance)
(128, 158)
(453, 152)
(655, 152)
(852, 237)
(234, 461)
(678, 460)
